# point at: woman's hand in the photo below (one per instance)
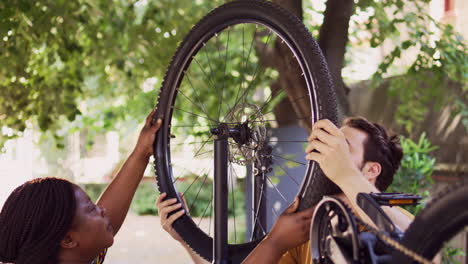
(291, 229)
(144, 146)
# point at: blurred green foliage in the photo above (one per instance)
(417, 165)
(199, 198)
(143, 202)
(86, 60)
(452, 255)
(98, 64)
(439, 58)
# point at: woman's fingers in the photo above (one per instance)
(149, 118)
(156, 126)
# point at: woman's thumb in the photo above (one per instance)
(293, 207)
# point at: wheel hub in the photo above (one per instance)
(245, 127)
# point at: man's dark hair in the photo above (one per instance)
(379, 147)
(34, 220)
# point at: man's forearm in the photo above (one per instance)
(359, 184)
(119, 194)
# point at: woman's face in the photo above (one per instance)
(91, 228)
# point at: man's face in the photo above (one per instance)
(355, 139)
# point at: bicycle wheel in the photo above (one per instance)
(443, 218)
(217, 76)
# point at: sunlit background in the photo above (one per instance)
(87, 152)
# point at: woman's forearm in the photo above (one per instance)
(119, 193)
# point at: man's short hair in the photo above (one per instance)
(379, 147)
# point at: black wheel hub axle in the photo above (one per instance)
(241, 133)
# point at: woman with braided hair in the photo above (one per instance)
(53, 221)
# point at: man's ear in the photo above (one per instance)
(68, 242)
(371, 171)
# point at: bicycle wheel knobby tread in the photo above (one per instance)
(438, 222)
(308, 49)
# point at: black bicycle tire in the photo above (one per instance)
(254, 11)
(437, 223)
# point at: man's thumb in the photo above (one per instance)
(293, 207)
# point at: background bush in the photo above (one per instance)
(198, 197)
(417, 165)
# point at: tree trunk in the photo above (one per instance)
(293, 110)
(332, 40)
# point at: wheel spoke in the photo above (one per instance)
(233, 202)
(201, 187)
(177, 179)
(190, 100)
(191, 143)
(211, 216)
(188, 188)
(205, 117)
(287, 173)
(269, 100)
(196, 93)
(202, 153)
(204, 73)
(257, 66)
(265, 194)
(274, 186)
(291, 101)
(244, 62)
(206, 208)
(295, 161)
(243, 96)
(256, 212)
(224, 74)
(197, 153)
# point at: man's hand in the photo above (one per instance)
(144, 146)
(164, 208)
(292, 228)
(328, 147)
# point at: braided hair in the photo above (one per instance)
(380, 147)
(34, 220)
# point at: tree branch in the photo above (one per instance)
(332, 40)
